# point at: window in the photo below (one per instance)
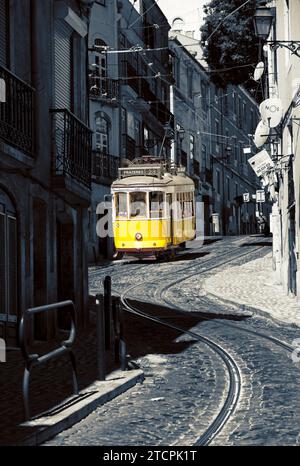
(124, 120)
(204, 96)
(234, 103)
(228, 188)
(99, 71)
(217, 126)
(138, 205)
(121, 204)
(218, 176)
(156, 200)
(192, 147)
(190, 82)
(245, 113)
(102, 126)
(204, 156)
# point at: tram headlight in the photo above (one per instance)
(138, 236)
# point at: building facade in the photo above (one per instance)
(213, 128)
(129, 95)
(45, 146)
(284, 83)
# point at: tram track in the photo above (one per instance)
(234, 377)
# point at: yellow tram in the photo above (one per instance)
(153, 209)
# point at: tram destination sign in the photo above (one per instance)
(140, 171)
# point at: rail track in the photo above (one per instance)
(234, 378)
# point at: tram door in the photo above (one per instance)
(171, 215)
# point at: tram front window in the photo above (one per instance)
(121, 204)
(156, 199)
(138, 205)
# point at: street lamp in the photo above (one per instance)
(263, 21)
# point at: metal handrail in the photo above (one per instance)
(32, 359)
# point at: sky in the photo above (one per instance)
(191, 11)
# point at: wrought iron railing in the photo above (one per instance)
(16, 113)
(72, 146)
(104, 88)
(104, 166)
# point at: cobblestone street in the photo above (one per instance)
(186, 381)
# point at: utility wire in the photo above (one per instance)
(224, 19)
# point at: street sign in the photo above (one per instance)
(2, 90)
(260, 195)
(246, 197)
(261, 163)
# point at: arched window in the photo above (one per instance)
(102, 127)
(8, 263)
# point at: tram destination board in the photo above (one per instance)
(140, 171)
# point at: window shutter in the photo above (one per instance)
(3, 32)
(63, 68)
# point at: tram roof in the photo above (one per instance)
(148, 181)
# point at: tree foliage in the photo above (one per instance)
(233, 44)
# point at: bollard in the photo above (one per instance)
(107, 310)
(100, 332)
(120, 346)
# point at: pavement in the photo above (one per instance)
(50, 390)
(253, 284)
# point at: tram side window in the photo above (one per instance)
(156, 204)
(121, 204)
(138, 205)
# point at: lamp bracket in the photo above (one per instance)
(292, 45)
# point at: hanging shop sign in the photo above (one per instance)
(261, 163)
(260, 195)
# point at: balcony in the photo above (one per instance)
(104, 89)
(104, 167)
(16, 114)
(72, 159)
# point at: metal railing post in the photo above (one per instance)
(100, 332)
(120, 345)
(107, 310)
(32, 359)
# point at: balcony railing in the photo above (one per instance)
(16, 113)
(105, 89)
(104, 166)
(73, 144)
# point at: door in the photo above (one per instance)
(65, 268)
(8, 271)
(170, 209)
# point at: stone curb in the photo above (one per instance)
(74, 410)
(251, 310)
